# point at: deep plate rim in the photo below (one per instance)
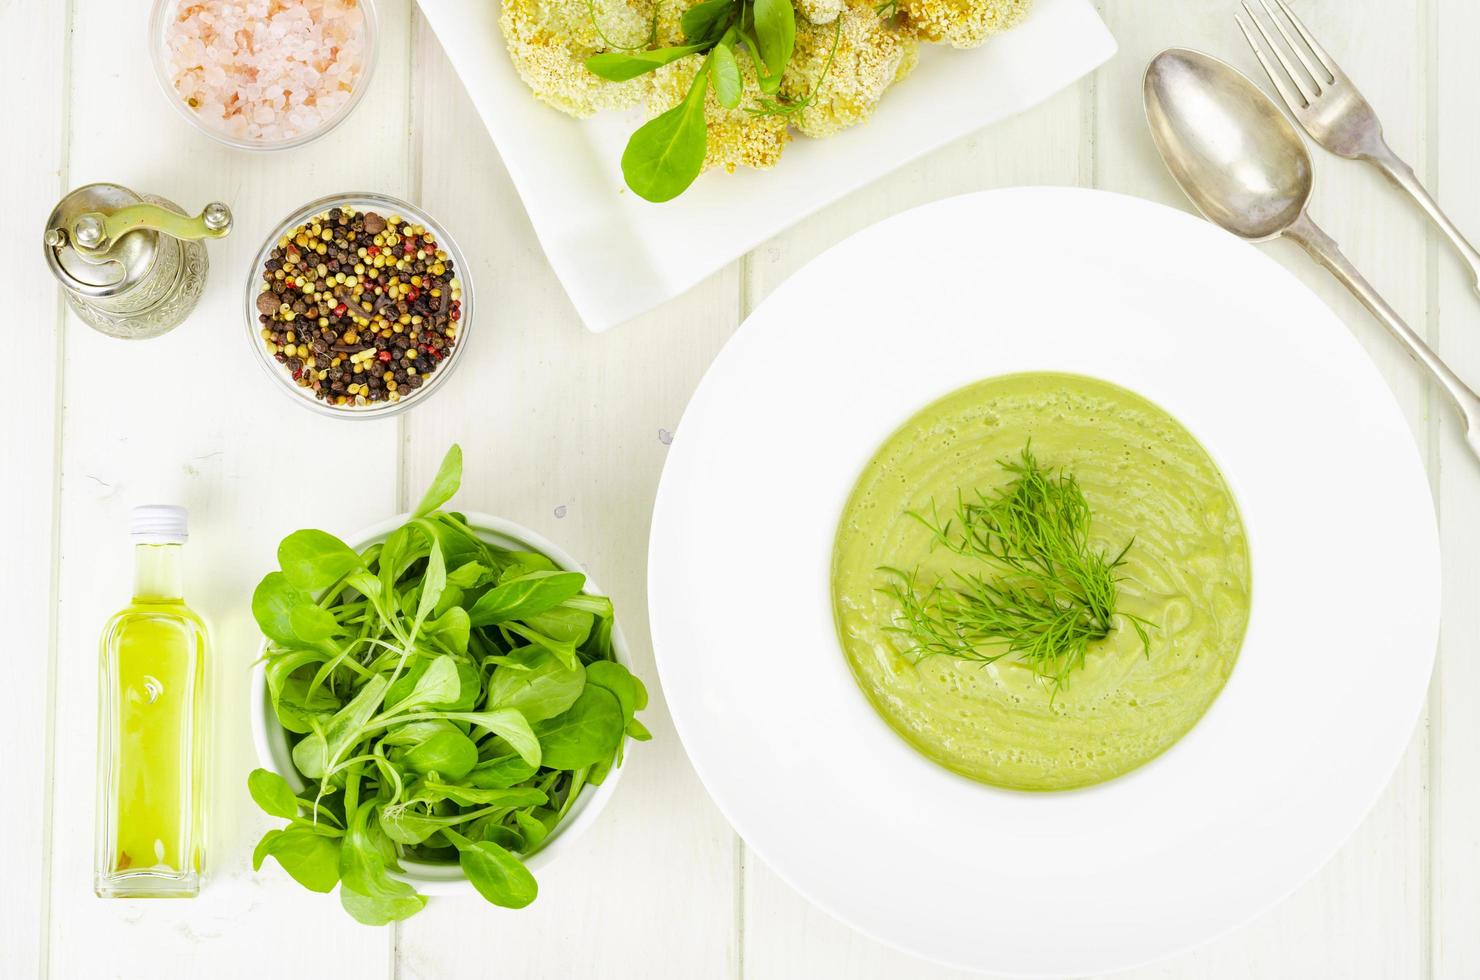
(1062, 208)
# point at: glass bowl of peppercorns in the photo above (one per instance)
(358, 305)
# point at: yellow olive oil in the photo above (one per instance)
(151, 735)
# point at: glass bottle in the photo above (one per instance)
(151, 733)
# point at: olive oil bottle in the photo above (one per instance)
(151, 730)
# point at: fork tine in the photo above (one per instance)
(1298, 79)
(1295, 47)
(1292, 96)
(1327, 62)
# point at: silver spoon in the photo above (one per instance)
(1244, 166)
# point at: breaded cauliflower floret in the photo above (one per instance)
(818, 11)
(670, 31)
(961, 23)
(736, 137)
(870, 57)
(550, 40)
(669, 28)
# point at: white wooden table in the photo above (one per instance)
(567, 432)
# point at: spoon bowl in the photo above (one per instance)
(1245, 167)
(1230, 149)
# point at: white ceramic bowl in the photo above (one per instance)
(159, 21)
(274, 752)
(1342, 633)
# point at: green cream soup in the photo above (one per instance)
(1146, 480)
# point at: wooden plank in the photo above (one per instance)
(31, 174)
(190, 416)
(1363, 915)
(662, 854)
(564, 432)
(1453, 317)
(786, 936)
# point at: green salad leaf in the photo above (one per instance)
(314, 560)
(311, 858)
(444, 484)
(666, 154)
(776, 36)
(446, 701)
(273, 794)
(498, 875)
(726, 77)
(705, 21)
(621, 66)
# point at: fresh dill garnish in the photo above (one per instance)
(1044, 593)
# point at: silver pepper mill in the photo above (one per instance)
(133, 265)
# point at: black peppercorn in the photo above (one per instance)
(339, 303)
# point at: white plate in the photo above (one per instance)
(1345, 580)
(619, 256)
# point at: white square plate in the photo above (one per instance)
(619, 256)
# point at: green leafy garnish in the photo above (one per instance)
(781, 107)
(774, 40)
(665, 155)
(621, 66)
(705, 21)
(1044, 593)
(447, 701)
(726, 74)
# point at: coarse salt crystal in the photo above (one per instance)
(266, 70)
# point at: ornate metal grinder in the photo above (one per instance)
(133, 264)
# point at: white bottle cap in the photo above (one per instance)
(159, 524)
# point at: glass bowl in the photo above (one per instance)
(387, 207)
(159, 21)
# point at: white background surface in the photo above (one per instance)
(552, 417)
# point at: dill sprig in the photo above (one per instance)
(1044, 593)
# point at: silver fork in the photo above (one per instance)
(1334, 113)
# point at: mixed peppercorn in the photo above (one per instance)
(359, 308)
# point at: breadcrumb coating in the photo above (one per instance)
(870, 57)
(961, 23)
(818, 11)
(669, 27)
(736, 137)
(550, 40)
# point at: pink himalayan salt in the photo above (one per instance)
(266, 70)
